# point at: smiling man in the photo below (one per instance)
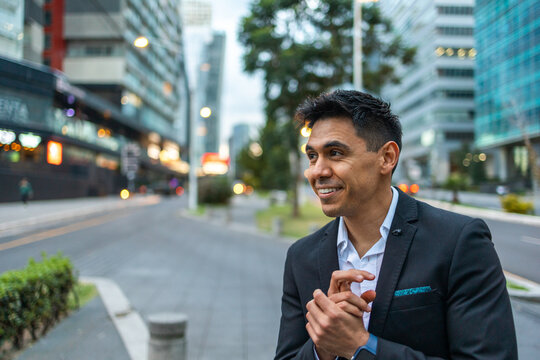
(390, 277)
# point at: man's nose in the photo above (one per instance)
(320, 169)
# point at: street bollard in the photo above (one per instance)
(277, 226)
(167, 336)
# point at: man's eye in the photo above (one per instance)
(311, 156)
(335, 153)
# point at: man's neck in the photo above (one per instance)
(364, 228)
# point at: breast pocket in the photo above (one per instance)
(413, 301)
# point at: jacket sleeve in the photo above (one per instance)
(479, 316)
(293, 340)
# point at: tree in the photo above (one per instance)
(304, 48)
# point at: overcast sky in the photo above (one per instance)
(241, 94)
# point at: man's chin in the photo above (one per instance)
(330, 211)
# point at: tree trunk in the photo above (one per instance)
(295, 172)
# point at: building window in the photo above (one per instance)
(455, 10)
(454, 31)
(455, 72)
(47, 44)
(48, 18)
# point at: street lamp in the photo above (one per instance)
(357, 43)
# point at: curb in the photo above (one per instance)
(531, 220)
(128, 322)
(533, 292)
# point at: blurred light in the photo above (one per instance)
(427, 138)
(69, 112)
(255, 149)
(179, 191)
(206, 67)
(153, 151)
(202, 131)
(305, 132)
(154, 137)
(70, 99)
(461, 53)
(15, 147)
(439, 51)
(468, 156)
(29, 140)
(64, 130)
(163, 156)
(403, 187)
(101, 133)
(54, 153)
(205, 112)
(475, 158)
(124, 100)
(239, 188)
(466, 162)
(167, 88)
(20, 36)
(414, 188)
(472, 53)
(141, 42)
(303, 148)
(249, 190)
(6, 136)
(124, 194)
(450, 52)
(6, 147)
(482, 157)
(213, 164)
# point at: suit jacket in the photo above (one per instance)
(464, 314)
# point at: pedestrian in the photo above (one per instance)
(25, 190)
(391, 277)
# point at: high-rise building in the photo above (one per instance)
(239, 139)
(209, 90)
(101, 57)
(435, 99)
(508, 86)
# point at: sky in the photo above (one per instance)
(242, 93)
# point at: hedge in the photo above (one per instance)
(34, 298)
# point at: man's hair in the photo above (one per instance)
(371, 117)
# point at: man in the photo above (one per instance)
(437, 284)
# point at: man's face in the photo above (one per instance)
(343, 174)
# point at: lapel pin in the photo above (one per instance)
(397, 232)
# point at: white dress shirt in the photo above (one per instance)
(372, 260)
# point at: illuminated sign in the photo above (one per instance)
(54, 153)
(213, 164)
(29, 140)
(6, 136)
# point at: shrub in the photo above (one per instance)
(34, 298)
(515, 204)
(214, 190)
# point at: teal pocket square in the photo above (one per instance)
(412, 291)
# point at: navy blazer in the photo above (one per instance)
(441, 292)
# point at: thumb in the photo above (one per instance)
(368, 296)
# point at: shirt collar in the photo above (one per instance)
(343, 241)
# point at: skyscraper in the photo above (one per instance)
(508, 85)
(435, 100)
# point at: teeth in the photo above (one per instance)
(327, 191)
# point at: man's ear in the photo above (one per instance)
(389, 153)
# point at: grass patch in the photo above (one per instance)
(311, 215)
(200, 211)
(85, 292)
(514, 286)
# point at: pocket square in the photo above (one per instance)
(412, 291)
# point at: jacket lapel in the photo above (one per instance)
(328, 260)
(397, 247)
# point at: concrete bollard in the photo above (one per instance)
(167, 336)
(277, 226)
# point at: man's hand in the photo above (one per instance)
(342, 279)
(337, 329)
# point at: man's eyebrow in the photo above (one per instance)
(338, 144)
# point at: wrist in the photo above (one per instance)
(367, 351)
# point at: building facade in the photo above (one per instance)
(435, 99)
(239, 139)
(508, 86)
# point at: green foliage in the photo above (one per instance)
(515, 204)
(34, 298)
(214, 190)
(302, 52)
(456, 181)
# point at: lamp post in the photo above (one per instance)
(357, 43)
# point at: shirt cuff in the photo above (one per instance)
(370, 346)
(317, 356)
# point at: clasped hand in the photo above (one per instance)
(335, 322)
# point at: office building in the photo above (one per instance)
(508, 86)
(237, 142)
(435, 99)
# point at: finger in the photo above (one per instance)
(368, 296)
(351, 275)
(351, 309)
(352, 299)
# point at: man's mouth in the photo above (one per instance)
(327, 191)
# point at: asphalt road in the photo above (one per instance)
(227, 281)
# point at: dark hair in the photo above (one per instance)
(371, 117)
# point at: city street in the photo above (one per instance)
(226, 278)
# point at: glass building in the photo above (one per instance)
(508, 85)
(435, 99)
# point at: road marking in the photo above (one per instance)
(59, 231)
(530, 240)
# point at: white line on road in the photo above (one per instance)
(530, 240)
